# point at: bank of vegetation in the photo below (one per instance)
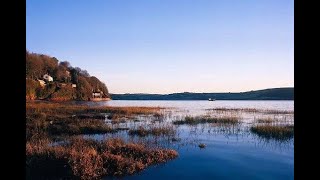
(56, 148)
(50, 79)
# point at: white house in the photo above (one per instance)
(96, 95)
(47, 77)
(74, 85)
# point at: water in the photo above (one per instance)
(198, 106)
(232, 151)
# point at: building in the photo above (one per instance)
(96, 95)
(47, 77)
(74, 85)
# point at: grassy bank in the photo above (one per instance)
(90, 159)
(78, 158)
(192, 120)
(51, 119)
(156, 131)
(277, 132)
(251, 110)
(69, 109)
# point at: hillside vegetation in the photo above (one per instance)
(47, 78)
(266, 94)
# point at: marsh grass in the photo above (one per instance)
(65, 126)
(155, 131)
(69, 110)
(64, 119)
(266, 120)
(193, 120)
(77, 158)
(202, 145)
(90, 159)
(158, 116)
(90, 116)
(175, 139)
(277, 132)
(251, 110)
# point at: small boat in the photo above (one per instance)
(211, 99)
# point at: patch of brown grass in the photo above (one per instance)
(193, 120)
(265, 120)
(49, 118)
(41, 124)
(202, 145)
(252, 110)
(277, 132)
(156, 131)
(90, 159)
(70, 109)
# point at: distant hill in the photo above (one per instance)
(265, 94)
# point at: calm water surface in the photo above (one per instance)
(232, 152)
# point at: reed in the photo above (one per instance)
(202, 145)
(90, 159)
(265, 120)
(65, 109)
(192, 120)
(156, 131)
(251, 110)
(277, 132)
(47, 118)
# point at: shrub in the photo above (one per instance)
(31, 87)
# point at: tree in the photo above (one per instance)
(60, 74)
(98, 85)
(65, 64)
(34, 66)
(74, 76)
(50, 64)
(31, 87)
(84, 89)
(38, 65)
(84, 73)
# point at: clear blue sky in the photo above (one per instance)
(166, 46)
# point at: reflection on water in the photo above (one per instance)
(231, 152)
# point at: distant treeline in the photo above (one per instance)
(47, 78)
(266, 94)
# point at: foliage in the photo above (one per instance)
(266, 94)
(64, 93)
(45, 92)
(276, 132)
(89, 159)
(31, 87)
(37, 65)
(84, 89)
(54, 152)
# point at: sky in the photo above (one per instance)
(169, 46)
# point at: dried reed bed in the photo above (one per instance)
(193, 120)
(41, 124)
(68, 109)
(154, 130)
(251, 110)
(64, 119)
(267, 120)
(90, 159)
(277, 132)
(78, 158)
